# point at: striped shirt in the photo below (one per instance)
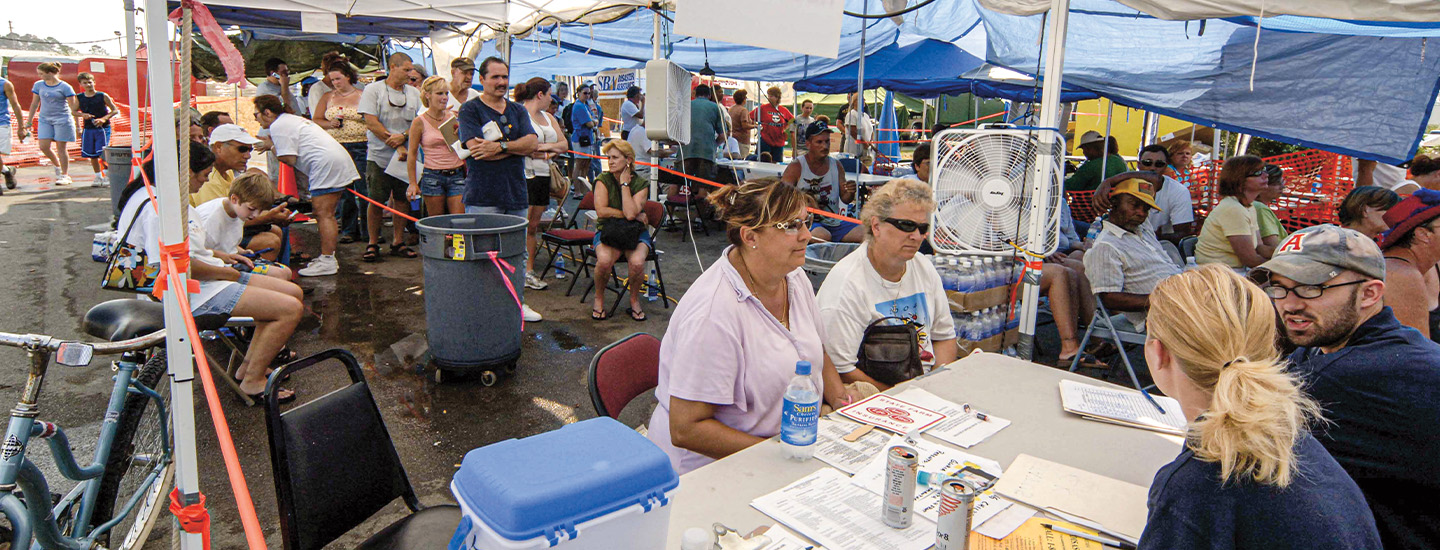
(1132, 263)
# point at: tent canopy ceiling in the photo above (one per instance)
(518, 15)
(1404, 11)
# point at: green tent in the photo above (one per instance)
(830, 104)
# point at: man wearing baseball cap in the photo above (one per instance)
(821, 176)
(1374, 377)
(1098, 151)
(232, 146)
(1126, 260)
(462, 75)
(1412, 249)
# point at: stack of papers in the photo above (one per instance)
(960, 427)
(889, 413)
(832, 448)
(1110, 506)
(830, 510)
(1122, 406)
(936, 459)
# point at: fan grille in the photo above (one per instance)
(983, 183)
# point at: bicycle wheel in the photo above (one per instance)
(138, 445)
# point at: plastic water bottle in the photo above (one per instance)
(652, 285)
(560, 267)
(964, 276)
(992, 273)
(800, 417)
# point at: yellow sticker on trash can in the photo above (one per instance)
(455, 247)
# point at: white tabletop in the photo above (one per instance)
(759, 169)
(1025, 393)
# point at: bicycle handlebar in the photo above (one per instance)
(32, 341)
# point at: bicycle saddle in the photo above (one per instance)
(124, 319)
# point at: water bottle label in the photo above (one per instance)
(799, 422)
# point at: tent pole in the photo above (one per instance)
(1040, 189)
(131, 70)
(172, 230)
(1105, 158)
(860, 84)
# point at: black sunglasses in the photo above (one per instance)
(244, 148)
(1153, 163)
(908, 226)
(1257, 173)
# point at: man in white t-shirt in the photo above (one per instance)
(462, 75)
(389, 107)
(859, 129)
(632, 111)
(801, 122)
(885, 277)
(1175, 219)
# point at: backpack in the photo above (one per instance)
(565, 117)
(890, 353)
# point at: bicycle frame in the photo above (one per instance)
(17, 471)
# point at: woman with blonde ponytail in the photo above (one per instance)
(1250, 475)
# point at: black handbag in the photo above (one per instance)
(890, 353)
(620, 233)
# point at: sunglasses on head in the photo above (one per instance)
(908, 226)
(1149, 162)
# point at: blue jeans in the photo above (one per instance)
(434, 183)
(350, 213)
(522, 212)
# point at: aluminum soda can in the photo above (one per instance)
(902, 466)
(957, 509)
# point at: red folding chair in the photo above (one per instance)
(622, 371)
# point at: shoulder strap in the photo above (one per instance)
(133, 219)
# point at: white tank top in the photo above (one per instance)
(824, 188)
(547, 134)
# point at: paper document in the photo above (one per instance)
(959, 427)
(884, 411)
(935, 458)
(1031, 536)
(1122, 406)
(828, 509)
(831, 447)
(1006, 522)
(1115, 505)
(782, 539)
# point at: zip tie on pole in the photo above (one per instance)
(193, 518)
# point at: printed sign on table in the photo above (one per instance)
(883, 411)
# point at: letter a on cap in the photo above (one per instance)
(1292, 244)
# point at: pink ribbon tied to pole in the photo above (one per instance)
(502, 266)
(215, 36)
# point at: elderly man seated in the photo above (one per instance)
(1126, 260)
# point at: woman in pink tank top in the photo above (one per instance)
(442, 182)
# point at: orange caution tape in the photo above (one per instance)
(377, 203)
(193, 518)
(177, 255)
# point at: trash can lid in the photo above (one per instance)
(471, 224)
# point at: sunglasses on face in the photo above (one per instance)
(244, 148)
(794, 226)
(1155, 163)
(1257, 173)
(908, 226)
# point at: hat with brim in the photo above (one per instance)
(462, 63)
(817, 128)
(1138, 188)
(1416, 210)
(1316, 254)
(231, 132)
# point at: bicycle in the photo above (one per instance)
(123, 488)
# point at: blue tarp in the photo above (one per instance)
(914, 66)
(530, 59)
(251, 18)
(1359, 95)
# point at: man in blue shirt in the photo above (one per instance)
(498, 134)
(706, 133)
(1375, 378)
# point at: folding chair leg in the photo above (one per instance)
(1084, 341)
(232, 364)
(660, 278)
(1130, 369)
(553, 253)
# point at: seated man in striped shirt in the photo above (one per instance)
(1126, 260)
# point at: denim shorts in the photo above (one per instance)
(435, 183)
(224, 302)
(63, 130)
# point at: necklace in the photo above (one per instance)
(749, 279)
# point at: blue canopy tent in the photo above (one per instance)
(281, 20)
(1364, 96)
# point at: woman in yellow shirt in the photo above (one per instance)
(1231, 234)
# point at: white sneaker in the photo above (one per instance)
(530, 315)
(534, 283)
(101, 181)
(320, 266)
(63, 180)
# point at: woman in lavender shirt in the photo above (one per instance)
(733, 341)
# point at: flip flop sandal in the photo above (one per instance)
(403, 251)
(1087, 361)
(260, 398)
(286, 355)
(636, 315)
(347, 239)
(372, 253)
(598, 315)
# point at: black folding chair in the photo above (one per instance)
(335, 467)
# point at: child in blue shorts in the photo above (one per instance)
(96, 110)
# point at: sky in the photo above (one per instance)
(102, 18)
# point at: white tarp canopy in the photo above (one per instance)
(1399, 11)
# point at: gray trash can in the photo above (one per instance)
(117, 170)
(820, 257)
(473, 320)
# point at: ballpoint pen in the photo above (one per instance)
(1087, 536)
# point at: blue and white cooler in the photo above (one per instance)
(592, 485)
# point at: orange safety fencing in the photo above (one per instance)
(1316, 182)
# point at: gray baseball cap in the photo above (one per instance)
(1317, 254)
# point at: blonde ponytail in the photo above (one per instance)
(1221, 330)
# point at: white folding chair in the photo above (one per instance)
(1102, 326)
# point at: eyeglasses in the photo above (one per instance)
(908, 226)
(1257, 173)
(794, 226)
(1156, 163)
(1305, 292)
(244, 148)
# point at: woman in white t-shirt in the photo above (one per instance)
(886, 277)
(535, 95)
(273, 303)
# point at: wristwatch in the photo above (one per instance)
(504, 147)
